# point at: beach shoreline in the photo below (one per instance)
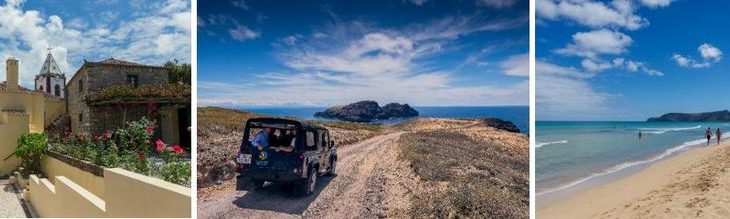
(692, 183)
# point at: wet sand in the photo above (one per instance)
(695, 183)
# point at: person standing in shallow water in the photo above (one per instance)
(708, 134)
(718, 135)
(639, 135)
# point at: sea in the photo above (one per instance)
(574, 155)
(519, 115)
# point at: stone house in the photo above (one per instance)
(172, 116)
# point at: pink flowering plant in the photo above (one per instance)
(174, 169)
(130, 147)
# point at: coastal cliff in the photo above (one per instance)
(717, 116)
(368, 111)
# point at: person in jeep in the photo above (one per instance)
(286, 142)
(261, 140)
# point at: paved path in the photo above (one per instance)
(10, 204)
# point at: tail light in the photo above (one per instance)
(300, 170)
(239, 167)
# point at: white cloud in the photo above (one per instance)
(243, 33)
(562, 92)
(635, 66)
(597, 42)
(656, 3)
(567, 93)
(373, 54)
(77, 23)
(546, 68)
(593, 66)
(595, 14)
(618, 63)
(710, 52)
(291, 40)
(418, 2)
(158, 36)
(681, 60)
(454, 27)
(496, 3)
(240, 4)
(710, 55)
(353, 61)
(516, 65)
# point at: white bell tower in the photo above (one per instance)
(51, 79)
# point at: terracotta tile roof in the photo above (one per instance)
(3, 86)
(12, 111)
(113, 61)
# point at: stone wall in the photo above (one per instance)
(103, 118)
(75, 101)
(103, 76)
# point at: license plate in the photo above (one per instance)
(244, 159)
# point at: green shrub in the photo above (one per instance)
(175, 172)
(31, 150)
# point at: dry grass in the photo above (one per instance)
(227, 118)
(463, 176)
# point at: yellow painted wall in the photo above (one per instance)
(22, 112)
(32, 103)
(63, 199)
(54, 108)
(152, 197)
(127, 194)
(12, 126)
(53, 167)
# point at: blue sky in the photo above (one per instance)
(630, 60)
(149, 32)
(322, 53)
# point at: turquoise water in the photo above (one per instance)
(519, 115)
(569, 154)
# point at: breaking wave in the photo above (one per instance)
(660, 131)
(540, 144)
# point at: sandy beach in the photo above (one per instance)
(695, 183)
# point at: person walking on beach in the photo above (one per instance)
(718, 135)
(708, 134)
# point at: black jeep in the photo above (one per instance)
(297, 154)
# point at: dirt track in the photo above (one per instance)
(370, 182)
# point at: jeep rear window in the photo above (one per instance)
(256, 127)
(310, 139)
(323, 138)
